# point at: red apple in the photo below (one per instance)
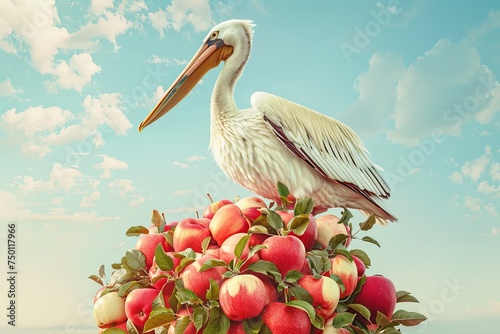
(325, 293)
(329, 227)
(286, 252)
(190, 233)
(138, 306)
(162, 283)
(212, 208)
(359, 265)
(147, 244)
(378, 294)
(109, 310)
(190, 329)
(242, 297)
(227, 221)
(283, 319)
(251, 207)
(198, 282)
(226, 251)
(309, 236)
(271, 288)
(347, 272)
(236, 327)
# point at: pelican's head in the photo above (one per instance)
(218, 46)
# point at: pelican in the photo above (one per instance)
(277, 140)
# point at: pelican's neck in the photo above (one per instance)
(223, 105)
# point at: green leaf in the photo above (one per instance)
(346, 216)
(218, 322)
(283, 190)
(343, 319)
(359, 285)
(361, 310)
(370, 240)
(275, 220)
(211, 263)
(114, 330)
(406, 318)
(319, 261)
(299, 224)
(169, 235)
(96, 279)
(368, 223)
(342, 250)
(317, 321)
(184, 262)
(159, 301)
(404, 296)
(240, 246)
(186, 296)
(382, 321)
(131, 329)
(265, 330)
(204, 244)
(264, 267)
(303, 207)
(252, 325)
(292, 276)
(136, 230)
(362, 256)
(338, 281)
(135, 259)
(391, 330)
(125, 288)
(336, 240)
(199, 317)
(158, 318)
(255, 249)
(213, 291)
(300, 293)
(181, 325)
(162, 259)
(158, 221)
(188, 252)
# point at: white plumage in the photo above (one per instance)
(277, 140)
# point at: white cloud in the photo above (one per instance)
(28, 127)
(377, 94)
(166, 61)
(105, 110)
(474, 169)
(122, 187)
(442, 89)
(108, 164)
(90, 199)
(495, 231)
(6, 89)
(473, 204)
(100, 6)
(485, 188)
(195, 158)
(495, 171)
(60, 179)
(492, 211)
(183, 192)
(46, 38)
(179, 13)
(456, 177)
(490, 24)
(75, 74)
(136, 201)
(180, 164)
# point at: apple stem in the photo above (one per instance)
(210, 198)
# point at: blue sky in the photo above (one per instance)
(417, 80)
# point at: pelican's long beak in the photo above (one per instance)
(208, 56)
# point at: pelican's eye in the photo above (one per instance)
(214, 35)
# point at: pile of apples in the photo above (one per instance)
(245, 267)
